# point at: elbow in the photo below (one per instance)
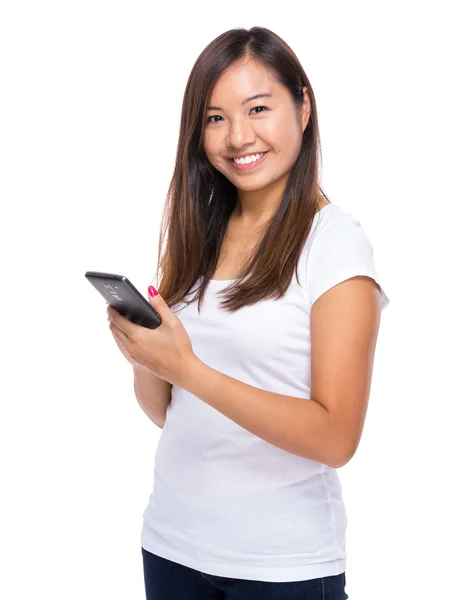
(341, 452)
(340, 459)
(338, 464)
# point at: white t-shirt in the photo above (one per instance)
(224, 501)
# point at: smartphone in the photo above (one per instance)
(121, 294)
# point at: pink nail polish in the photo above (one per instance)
(152, 291)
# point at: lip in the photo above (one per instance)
(249, 166)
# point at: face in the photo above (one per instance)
(266, 124)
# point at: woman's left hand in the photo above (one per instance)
(166, 351)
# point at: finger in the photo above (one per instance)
(123, 350)
(121, 322)
(118, 342)
(118, 333)
(122, 347)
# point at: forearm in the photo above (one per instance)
(298, 425)
(153, 394)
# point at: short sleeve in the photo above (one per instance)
(339, 251)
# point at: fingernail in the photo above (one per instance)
(152, 291)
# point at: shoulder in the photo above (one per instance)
(339, 249)
(336, 230)
(333, 215)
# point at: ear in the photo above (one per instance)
(305, 109)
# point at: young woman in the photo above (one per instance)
(261, 370)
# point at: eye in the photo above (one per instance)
(264, 107)
(214, 116)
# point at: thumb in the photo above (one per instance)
(157, 301)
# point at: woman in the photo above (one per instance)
(260, 373)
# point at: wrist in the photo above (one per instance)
(190, 364)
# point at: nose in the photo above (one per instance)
(240, 134)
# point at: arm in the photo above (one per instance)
(153, 394)
(326, 428)
(297, 425)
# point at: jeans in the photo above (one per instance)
(168, 580)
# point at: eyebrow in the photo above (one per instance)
(261, 95)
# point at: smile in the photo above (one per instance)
(251, 165)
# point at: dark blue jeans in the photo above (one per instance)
(168, 580)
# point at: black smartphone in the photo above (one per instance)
(121, 294)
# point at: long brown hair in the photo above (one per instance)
(200, 199)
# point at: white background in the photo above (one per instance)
(91, 95)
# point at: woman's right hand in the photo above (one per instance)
(121, 347)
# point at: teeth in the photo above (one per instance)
(248, 159)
